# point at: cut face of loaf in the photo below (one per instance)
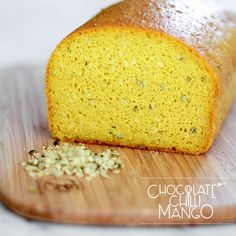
(133, 87)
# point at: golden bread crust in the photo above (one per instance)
(204, 27)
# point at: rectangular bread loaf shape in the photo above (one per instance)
(148, 74)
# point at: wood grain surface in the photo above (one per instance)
(119, 200)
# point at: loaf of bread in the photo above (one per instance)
(149, 74)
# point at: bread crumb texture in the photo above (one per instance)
(129, 87)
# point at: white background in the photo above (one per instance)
(29, 31)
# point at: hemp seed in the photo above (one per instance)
(72, 160)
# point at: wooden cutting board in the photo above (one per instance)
(123, 199)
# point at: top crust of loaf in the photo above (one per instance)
(203, 26)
